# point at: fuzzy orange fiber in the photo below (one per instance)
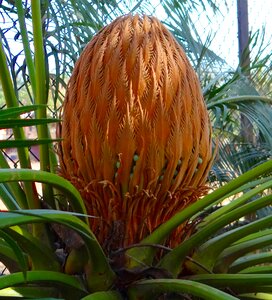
(136, 132)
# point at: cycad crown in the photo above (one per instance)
(136, 132)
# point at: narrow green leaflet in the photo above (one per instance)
(14, 123)
(20, 257)
(179, 253)
(240, 282)
(150, 289)
(253, 190)
(40, 255)
(239, 99)
(229, 255)
(8, 175)
(11, 193)
(13, 112)
(109, 295)
(8, 198)
(250, 260)
(41, 93)
(208, 252)
(8, 257)
(254, 296)
(179, 218)
(70, 286)
(26, 42)
(25, 143)
(257, 270)
(101, 274)
(39, 292)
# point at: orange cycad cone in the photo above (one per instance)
(136, 132)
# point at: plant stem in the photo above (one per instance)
(14, 186)
(25, 40)
(11, 101)
(41, 94)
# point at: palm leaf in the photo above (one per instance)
(25, 143)
(154, 287)
(70, 286)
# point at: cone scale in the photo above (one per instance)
(136, 136)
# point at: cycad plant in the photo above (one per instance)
(136, 145)
(136, 133)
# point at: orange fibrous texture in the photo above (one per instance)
(136, 132)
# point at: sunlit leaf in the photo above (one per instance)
(68, 285)
(13, 112)
(110, 295)
(8, 175)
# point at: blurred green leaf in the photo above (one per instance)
(262, 296)
(38, 292)
(233, 252)
(69, 286)
(9, 175)
(101, 274)
(40, 255)
(109, 295)
(13, 123)
(148, 289)
(13, 112)
(250, 260)
(25, 143)
(179, 253)
(250, 282)
(19, 256)
(208, 253)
